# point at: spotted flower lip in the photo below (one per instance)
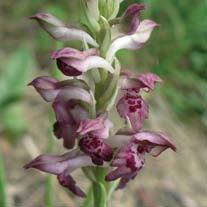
(132, 107)
(133, 41)
(127, 162)
(95, 147)
(74, 62)
(132, 81)
(58, 30)
(94, 132)
(62, 166)
(130, 158)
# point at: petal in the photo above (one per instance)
(117, 173)
(59, 31)
(128, 163)
(50, 163)
(67, 132)
(46, 86)
(57, 164)
(124, 180)
(134, 41)
(69, 52)
(75, 67)
(73, 62)
(97, 62)
(68, 116)
(67, 181)
(46, 18)
(149, 80)
(104, 132)
(66, 34)
(73, 93)
(130, 21)
(158, 141)
(89, 125)
(132, 81)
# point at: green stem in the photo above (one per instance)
(100, 195)
(3, 194)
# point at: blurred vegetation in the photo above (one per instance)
(13, 79)
(176, 51)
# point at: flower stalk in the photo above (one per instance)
(96, 85)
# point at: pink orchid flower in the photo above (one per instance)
(73, 62)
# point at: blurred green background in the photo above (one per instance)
(177, 51)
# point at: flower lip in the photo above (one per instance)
(96, 149)
(131, 106)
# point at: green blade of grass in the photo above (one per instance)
(3, 194)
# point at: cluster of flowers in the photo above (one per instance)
(81, 108)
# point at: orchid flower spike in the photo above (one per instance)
(83, 101)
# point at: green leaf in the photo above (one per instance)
(100, 195)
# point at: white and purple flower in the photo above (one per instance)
(73, 62)
(133, 147)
